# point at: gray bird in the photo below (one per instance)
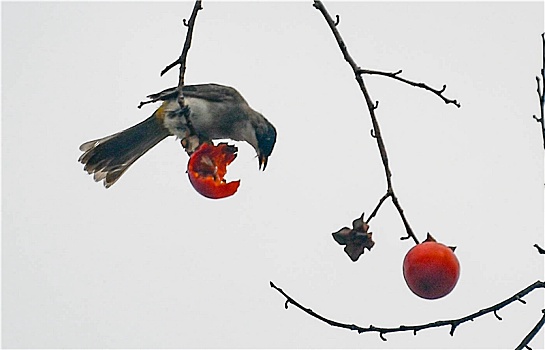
(215, 112)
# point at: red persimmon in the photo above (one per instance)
(207, 167)
(431, 269)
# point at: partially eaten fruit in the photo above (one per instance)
(206, 168)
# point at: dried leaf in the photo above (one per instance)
(354, 251)
(342, 236)
(356, 239)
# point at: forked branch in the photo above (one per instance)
(191, 141)
(187, 44)
(377, 134)
(165, 94)
(395, 75)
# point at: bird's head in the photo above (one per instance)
(266, 137)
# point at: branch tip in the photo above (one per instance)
(497, 316)
(539, 249)
(452, 329)
(142, 103)
(395, 75)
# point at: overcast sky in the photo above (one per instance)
(149, 263)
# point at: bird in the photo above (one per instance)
(214, 111)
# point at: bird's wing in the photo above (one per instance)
(212, 92)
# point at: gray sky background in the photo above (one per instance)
(149, 263)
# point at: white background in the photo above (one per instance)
(151, 263)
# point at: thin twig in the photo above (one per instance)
(395, 75)
(187, 44)
(454, 323)
(181, 77)
(371, 107)
(540, 93)
(539, 249)
(169, 93)
(524, 343)
(408, 228)
(386, 196)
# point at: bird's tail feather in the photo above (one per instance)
(109, 157)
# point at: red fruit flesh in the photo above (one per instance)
(206, 168)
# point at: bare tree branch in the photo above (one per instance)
(376, 133)
(540, 86)
(378, 206)
(454, 323)
(187, 44)
(524, 343)
(192, 140)
(371, 107)
(395, 75)
(165, 94)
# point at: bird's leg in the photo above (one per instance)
(190, 143)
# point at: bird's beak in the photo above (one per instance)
(262, 162)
